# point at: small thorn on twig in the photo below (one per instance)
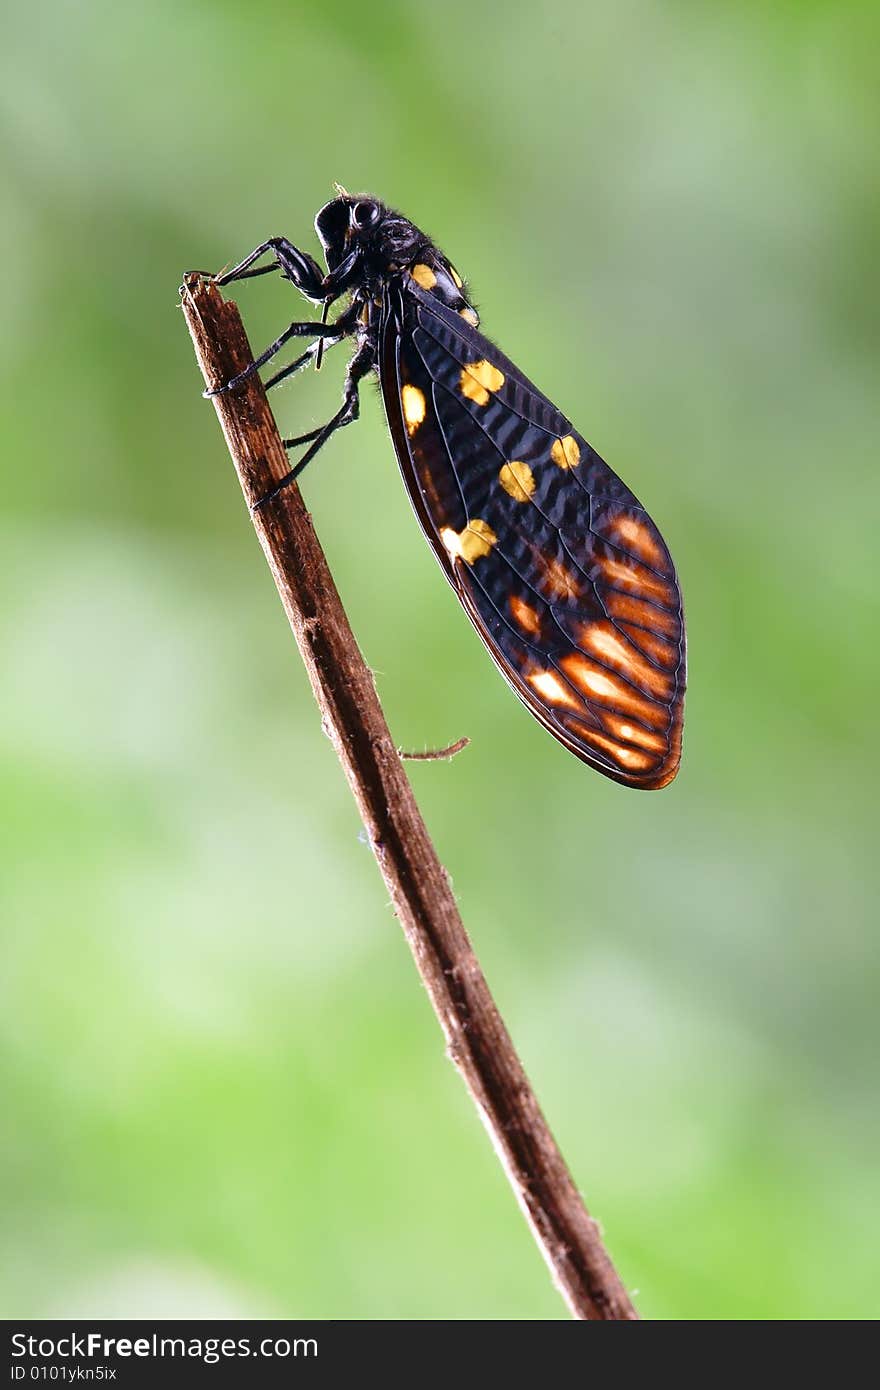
(434, 755)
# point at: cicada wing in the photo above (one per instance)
(561, 570)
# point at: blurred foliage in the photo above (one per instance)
(224, 1090)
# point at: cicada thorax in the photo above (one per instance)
(434, 274)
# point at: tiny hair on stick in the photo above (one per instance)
(435, 755)
(477, 1040)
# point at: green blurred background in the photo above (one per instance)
(224, 1091)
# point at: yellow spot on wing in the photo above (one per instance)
(565, 452)
(424, 276)
(518, 480)
(413, 407)
(478, 379)
(456, 277)
(470, 315)
(475, 541)
(524, 615)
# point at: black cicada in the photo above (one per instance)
(560, 569)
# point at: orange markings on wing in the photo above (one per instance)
(524, 615)
(606, 643)
(637, 538)
(635, 576)
(633, 733)
(553, 689)
(602, 685)
(630, 759)
(655, 648)
(556, 580)
(635, 610)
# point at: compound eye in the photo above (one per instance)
(364, 214)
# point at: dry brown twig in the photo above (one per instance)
(477, 1040)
